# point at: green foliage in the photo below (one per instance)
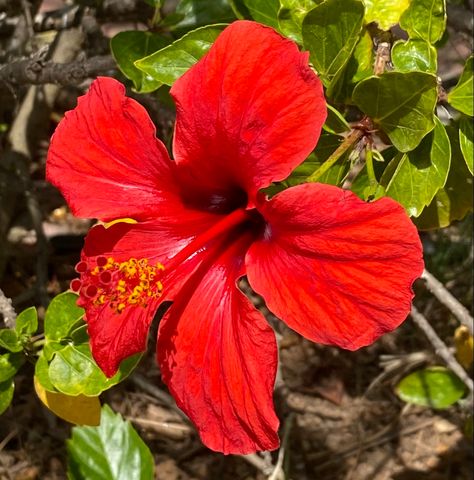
(27, 322)
(7, 388)
(127, 47)
(9, 365)
(264, 11)
(435, 387)
(414, 55)
(112, 451)
(291, 15)
(167, 65)
(466, 134)
(62, 314)
(401, 104)
(9, 340)
(386, 13)
(197, 13)
(460, 97)
(425, 19)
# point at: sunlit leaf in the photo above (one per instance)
(435, 387)
(419, 174)
(401, 104)
(414, 55)
(466, 140)
(335, 122)
(112, 451)
(425, 19)
(168, 64)
(197, 13)
(461, 96)
(10, 364)
(61, 315)
(264, 11)
(9, 340)
(127, 47)
(7, 388)
(27, 321)
(291, 15)
(80, 410)
(386, 13)
(42, 373)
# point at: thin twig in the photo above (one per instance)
(278, 473)
(7, 310)
(440, 347)
(174, 431)
(448, 300)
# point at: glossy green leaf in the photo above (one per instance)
(240, 10)
(112, 451)
(127, 47)
(455, 199)
(401, 104)
(419, 174)
(27, 321)
(386, 13)
(414, 55)
(425, 19)
(330, 33)
(466, 141)
(335, 122)
(197, 13)
(168, 64)
(42, 373)
(9, 340)
(435, 387)
(264, 11)
(6, 394)
(73, 371)
(9, 365)
(291, 15)
(61, 315)
(461, 97)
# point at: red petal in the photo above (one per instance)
(218, 357)
(105, 158)
(334, 268)
(247, 113)
(114, 336)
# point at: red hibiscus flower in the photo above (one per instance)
(334, 268)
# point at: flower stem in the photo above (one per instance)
(348, 142)
(369, 163)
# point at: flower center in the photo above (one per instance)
(119, 284)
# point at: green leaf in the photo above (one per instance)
(112, 451)
(168, 64)
(42, 373)
(61, 315)
(197, 13)
(264, 11)
(455, 199)
(466, 140)
(335, 122)
(6, 394)
(401, 104)
(291, 15)
(27, 322)
(9, 365)
(240, 10)
(461, 97)
(330, 33)
(425, 19)
(386, 13)
(435, 387)
(73, 371)
(414, 55)
(9, 340)
(422, 172)
(127, 47)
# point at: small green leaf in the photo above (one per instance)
(386, 13)
(461, 96)
(61, 315)
(197, 13)
(425, 19)
(127, 47)
(422, 172)
(401, 104)
(9, 340)
(73, 371)
(291, 15)
(112, 451)
(335, 122)
(240, 10)
(9, 365)
(168, 64)
(42, 373)
(455, 199)
(6, 394)
(264, 11)
(414, 55)
(435, 387)
(27, 322)
(330, 33)
(466, 140)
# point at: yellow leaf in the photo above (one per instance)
(119, 220)
(80, 410)
(464, 346)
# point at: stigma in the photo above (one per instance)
(131, 283)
